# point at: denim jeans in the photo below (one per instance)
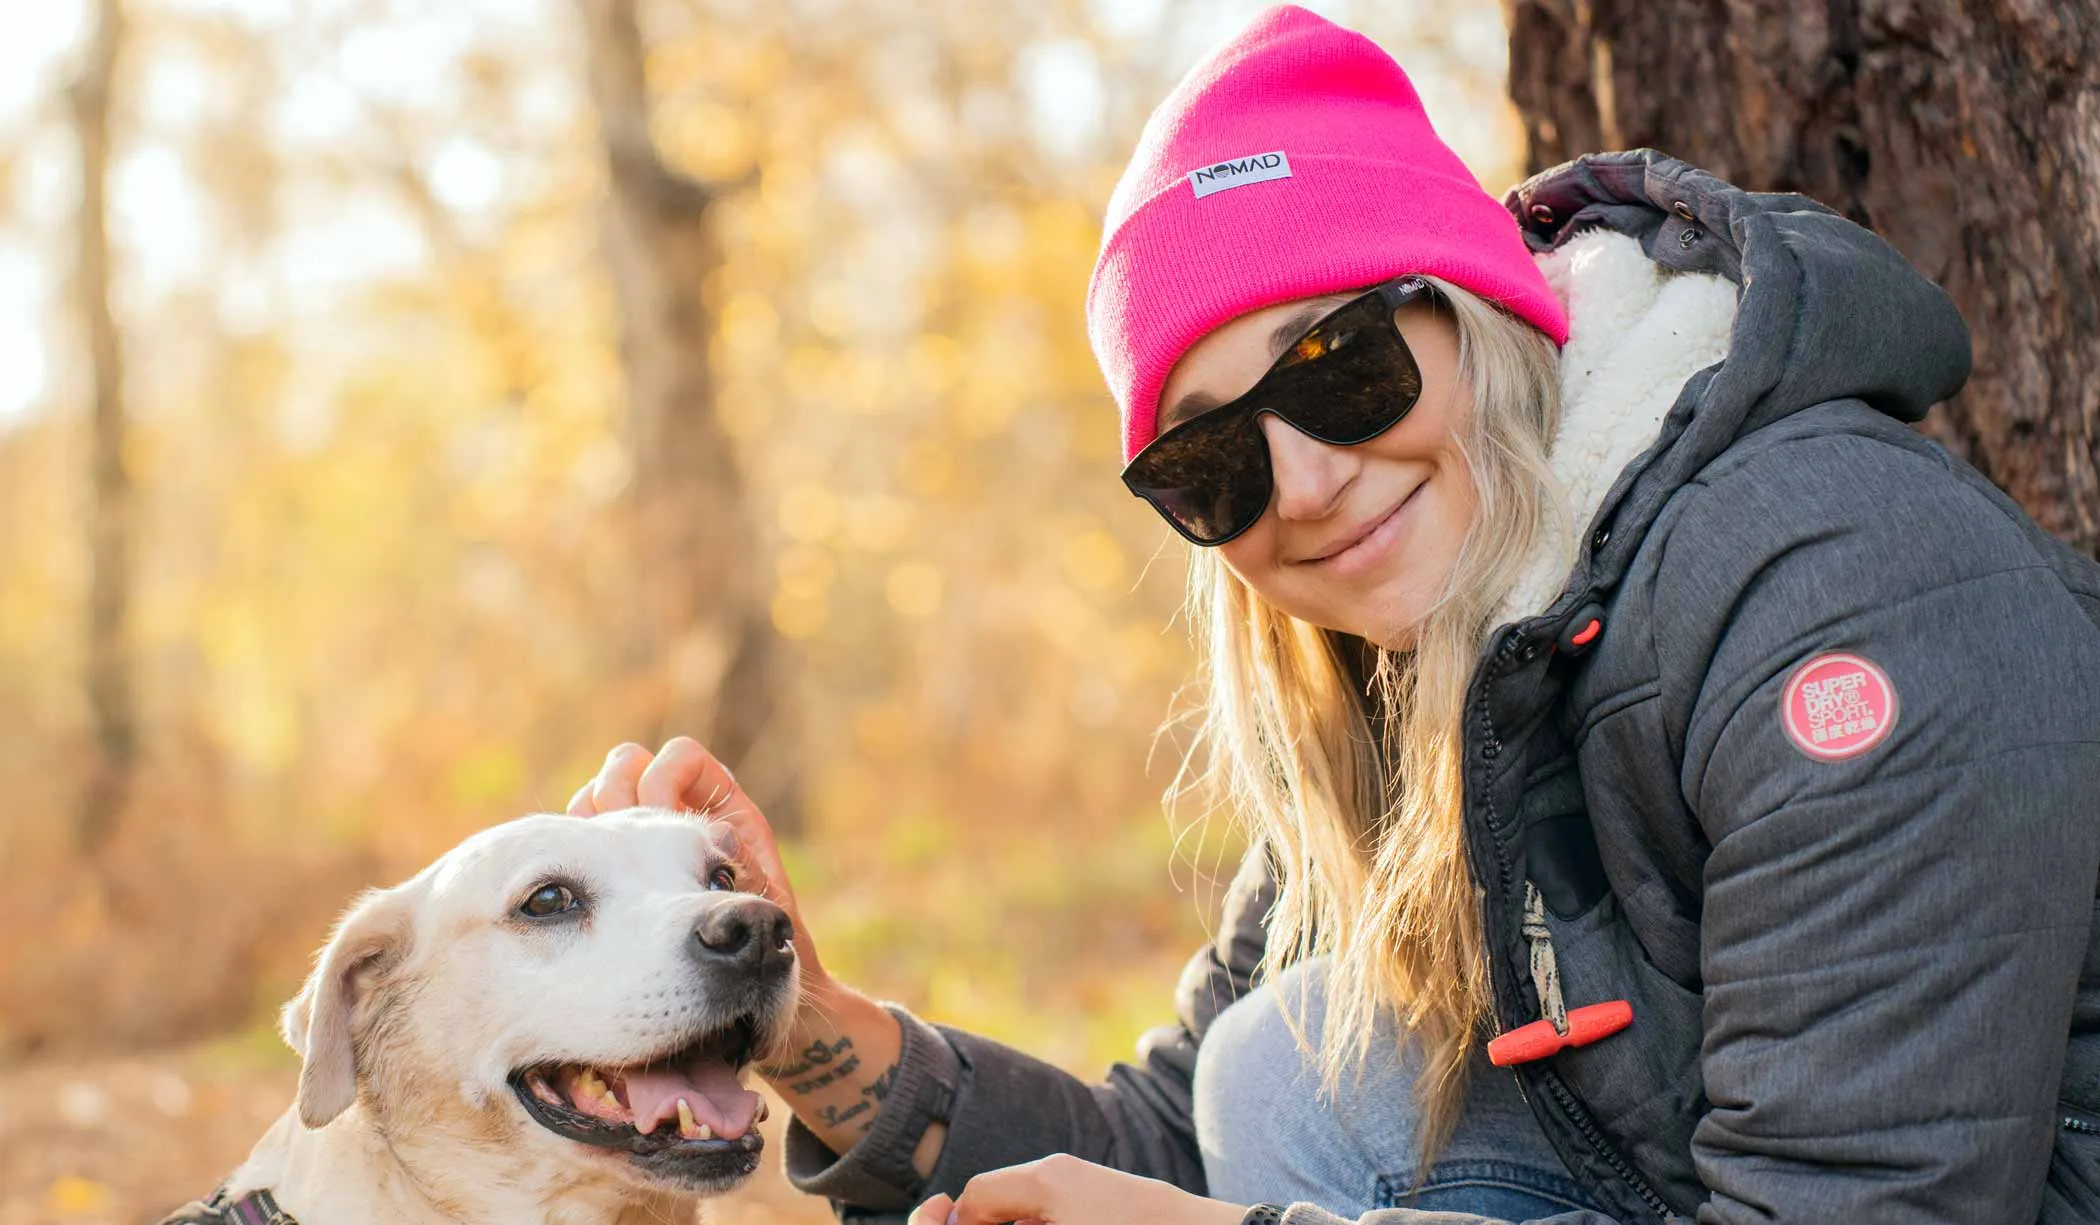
(1268, 1135)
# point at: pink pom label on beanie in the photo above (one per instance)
(1238, 172)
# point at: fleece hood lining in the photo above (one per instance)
(1636, 332)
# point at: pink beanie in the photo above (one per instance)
(1293, 161)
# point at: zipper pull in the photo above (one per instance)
(1558, 1029)
(1539, 1039)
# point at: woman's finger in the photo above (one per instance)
(933, 1212)
(615, 785)
(1020, 1193)
(703, 784)
(580, 804)
(686, 775)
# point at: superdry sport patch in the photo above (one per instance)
(1837, 705)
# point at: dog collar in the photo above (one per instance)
(257, 1207)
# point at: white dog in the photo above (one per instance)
(546, 1025)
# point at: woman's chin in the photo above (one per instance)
(1387, 634)
(1393, 622)
(1385, 608)
(1400, 641)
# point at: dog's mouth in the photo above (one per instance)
(687, 1102)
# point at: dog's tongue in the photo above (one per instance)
(710, 1090)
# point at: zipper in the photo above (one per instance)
(1491, 744)
(2073, 1123)
(1605, 1149)
(1572, 1109)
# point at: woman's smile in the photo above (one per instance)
(1364, 547)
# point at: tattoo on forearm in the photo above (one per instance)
(814, 1083)
(839, 1061)
(875, 1091)
(813, 1056)
(879, 1088)
(837, 1116)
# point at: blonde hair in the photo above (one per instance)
(1343, 760)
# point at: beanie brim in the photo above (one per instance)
(1338, 223)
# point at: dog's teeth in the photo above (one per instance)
(590, 1089)
(686, 1127)
(764, 1111)
(705, 1133)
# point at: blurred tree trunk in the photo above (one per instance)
(713, 666)
(1966, 133)
(108, 778)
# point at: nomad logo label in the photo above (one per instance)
(1239, 172)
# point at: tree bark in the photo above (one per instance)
(711, 663)
(108, 779)
(1966, 133)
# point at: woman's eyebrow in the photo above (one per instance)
(1294, 325)
(1187, 406)
(1297, 324)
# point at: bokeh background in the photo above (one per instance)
(401, 403)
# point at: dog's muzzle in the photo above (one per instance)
(684, 1114)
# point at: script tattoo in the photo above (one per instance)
(835, 1116)
(877, 1090)
(815, 1055)
(846, 1067)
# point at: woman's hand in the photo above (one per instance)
(684, 777)
(839, 1057)
(1063, 1190)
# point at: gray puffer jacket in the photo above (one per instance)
(1802, 761)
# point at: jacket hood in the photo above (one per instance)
(1827, 309)
(1637, 333)
(1789, 306)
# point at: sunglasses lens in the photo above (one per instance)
(1347, 380)
(1210, 477)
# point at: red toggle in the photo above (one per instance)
(1589, 633)
(1538, 1039)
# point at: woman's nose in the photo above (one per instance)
(1309, 475)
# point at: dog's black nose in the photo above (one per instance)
(748, 933)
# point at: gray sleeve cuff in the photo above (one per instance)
(1313, 1214)
(877, 1173)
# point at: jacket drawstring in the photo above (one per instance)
(1545, 967)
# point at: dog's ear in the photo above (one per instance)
(319, 1022)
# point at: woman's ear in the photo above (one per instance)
(319, 1022)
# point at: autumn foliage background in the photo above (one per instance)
(384, 565)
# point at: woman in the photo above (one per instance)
(1676, 781)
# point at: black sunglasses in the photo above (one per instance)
(1347, 380)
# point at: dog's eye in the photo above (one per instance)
(547, 901)
(722, 878)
